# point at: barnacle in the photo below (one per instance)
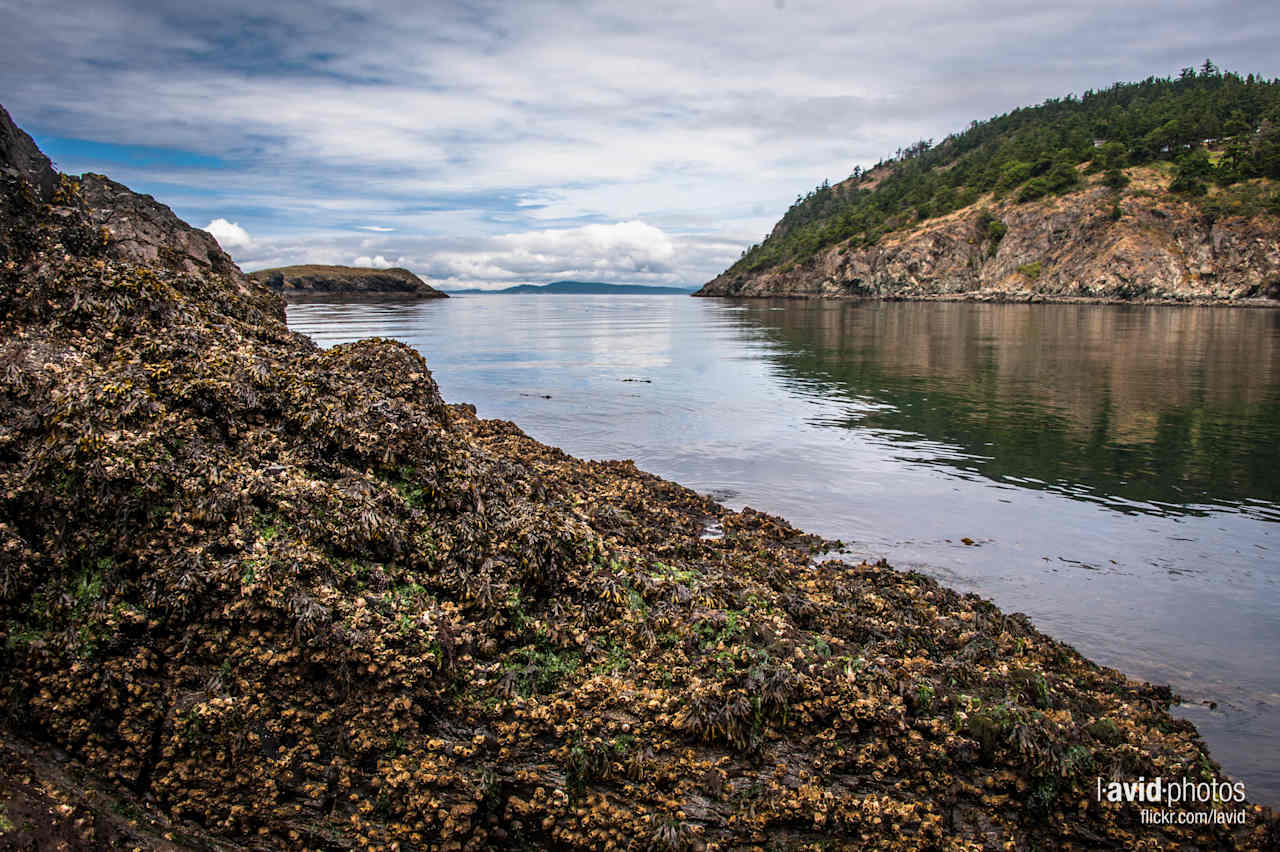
(288, 597)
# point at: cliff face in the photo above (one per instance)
(313, 280)
(1161, 248)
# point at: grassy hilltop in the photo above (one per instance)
(318, 280)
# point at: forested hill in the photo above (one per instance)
(1204, 130)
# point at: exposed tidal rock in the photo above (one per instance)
(1161, 248)
(315, 280)
(39, 207)
(257, 594)
(19, 156)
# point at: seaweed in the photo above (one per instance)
(269, 595)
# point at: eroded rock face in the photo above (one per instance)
(1162, 248)
(310, 280)
(139, 228)
(20, 156)
(27, 183)
(145, 231)
(42, 211)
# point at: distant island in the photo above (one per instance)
(1167, 190)
(348, 281)
(584, 288)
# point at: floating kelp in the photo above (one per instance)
(258, 594)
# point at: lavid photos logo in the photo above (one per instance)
(1186, 801)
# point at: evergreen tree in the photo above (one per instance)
(1034, 152)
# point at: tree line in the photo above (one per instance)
(1211, 126)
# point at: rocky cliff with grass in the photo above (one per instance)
(1161, 191)
(258, 595)
(294, 282)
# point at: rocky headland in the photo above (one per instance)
(257, 595)
(1144, 244)
(1165, 190)
(295, 282)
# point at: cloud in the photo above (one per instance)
(229, 234)
(622, 251)
(377, 262)
(458, 126)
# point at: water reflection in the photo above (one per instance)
(1114, 467)
(1150, 409)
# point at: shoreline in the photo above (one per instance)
(1241, 735)
(341, 297)
(260, 593)
(572, 626)
(1004, 298)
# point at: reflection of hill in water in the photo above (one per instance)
(1167, 405)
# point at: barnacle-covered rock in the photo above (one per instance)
(254, 593)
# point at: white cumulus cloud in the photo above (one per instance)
(377, 262)
(229, 234)
(446, 127)
(620, 251)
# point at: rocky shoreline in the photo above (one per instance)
(1014, 298)
(1142, 244)
(262, 595)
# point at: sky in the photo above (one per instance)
(493, 143)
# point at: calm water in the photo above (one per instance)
(1118, 468)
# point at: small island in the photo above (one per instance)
(311, 280)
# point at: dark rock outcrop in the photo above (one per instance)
(1161, 248)
(94, 216)
(38, 206)
(19, 156)
(145, 231)
(347, 281)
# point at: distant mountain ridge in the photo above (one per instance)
(1167, 190)
(584, 288)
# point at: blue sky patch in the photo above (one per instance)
(87, 155)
